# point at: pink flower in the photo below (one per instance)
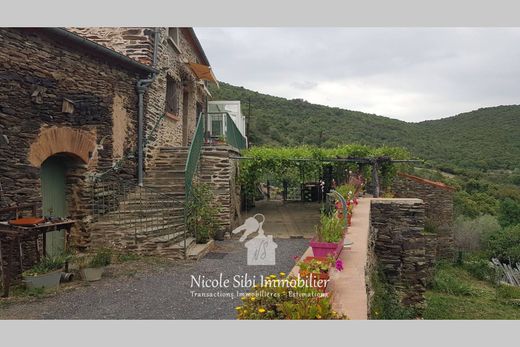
(339, 265)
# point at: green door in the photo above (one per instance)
(54, 199)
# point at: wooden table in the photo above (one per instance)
(15, 234)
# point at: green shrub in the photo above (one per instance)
(471, 234)
(509, 212)
(202, 218)
(481, 269)
(505, 245)
(385, 302)
(447, 282)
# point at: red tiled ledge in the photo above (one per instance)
(426, 181)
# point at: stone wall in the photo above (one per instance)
(397, 247)
(438, 202)
(39, 77)
(221, 172)
(138, 43)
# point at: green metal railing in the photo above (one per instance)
(193, 156)
(233, 135)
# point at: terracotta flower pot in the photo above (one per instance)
(318, 281)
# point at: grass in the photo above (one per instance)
(456, 294)
(385, 302)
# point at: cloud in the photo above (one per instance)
(305, 85)
(408, 73)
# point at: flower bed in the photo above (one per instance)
(277, 298)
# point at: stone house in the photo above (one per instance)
(178, 94)
(68, 110)
(95, 124)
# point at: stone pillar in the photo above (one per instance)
(398, 246)
(438, 203)
(221, 172)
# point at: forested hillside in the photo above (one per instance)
(483, 139)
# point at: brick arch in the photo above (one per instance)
(50, 141)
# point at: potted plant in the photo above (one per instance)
(46, 274)
(221, 140)
(329, 236)
(92, 270)
(316, 271)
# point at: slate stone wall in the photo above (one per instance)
(137, 43)
(438, 202)
(398, 247)
(38, 74)
(221, 172)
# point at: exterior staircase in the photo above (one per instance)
(148, 220)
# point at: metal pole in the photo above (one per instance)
(140, 136)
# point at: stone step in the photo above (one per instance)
(130, 222)
(169, 238)
(170, 188)
(167, 165)
(164, 173)
(142, 231)
(197, 251)
(180, 245)
(130, 209)
(174, 148)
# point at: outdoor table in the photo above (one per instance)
(15, 234)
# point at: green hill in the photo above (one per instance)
(488, 138)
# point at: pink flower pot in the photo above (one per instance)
(323, 249)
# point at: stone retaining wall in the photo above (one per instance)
(438, 203)
(221, 172)
(398, 247)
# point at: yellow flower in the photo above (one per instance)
(318, 316)
(282, 274)
(244, 298)
(261, 310)
(253, 298)
(273, 276)
(238, 308)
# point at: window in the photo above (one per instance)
(172, 100)
(174, 38)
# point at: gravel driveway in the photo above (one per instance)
(164, 292)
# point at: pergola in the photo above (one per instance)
(374, 162)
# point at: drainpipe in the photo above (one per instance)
(142, 86)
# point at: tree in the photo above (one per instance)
(509, 212)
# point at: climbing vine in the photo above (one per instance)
(288, 163)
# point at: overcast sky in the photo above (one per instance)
(411, 74)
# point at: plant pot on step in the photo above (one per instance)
(324, 249)
(92, 274)
(50, 280)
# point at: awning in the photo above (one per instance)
(203, 72)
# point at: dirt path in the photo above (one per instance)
(163, 291)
